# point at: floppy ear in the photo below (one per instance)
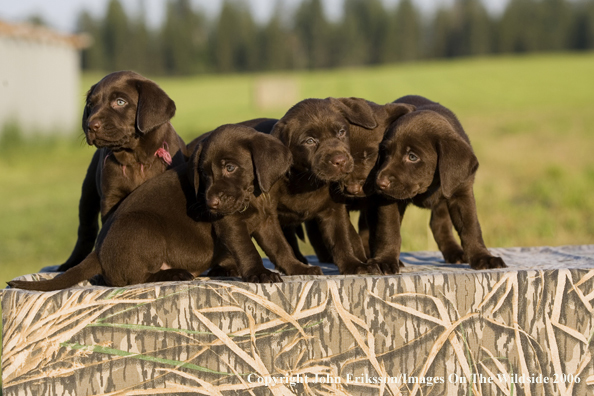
(193, 171)
(271, 159)
(397, 110)
(456, 162)
(85, 116)
(356, 110)
(278, 131)
(154, 106)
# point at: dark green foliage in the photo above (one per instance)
(474, 28)
(115, 35)
(93, 57)
(313, 31)
(556, 22)
(582, 26)
(464, 29)
(276, 44)
(402, 40)
(362, 33)
(183, 39)
(144, 52)
(300, 35)
(234, 46)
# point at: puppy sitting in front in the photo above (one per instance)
(426, 158)
(174, 226)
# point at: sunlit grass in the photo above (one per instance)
(530, 121)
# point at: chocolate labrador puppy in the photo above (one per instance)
(364, 149)
(317, 131)
(126, 116)
(364, 146)
(426, 158)
(175, 225)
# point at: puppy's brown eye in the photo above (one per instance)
(342, 132)
(121, 102)
(310, 141)
(230, 168)
(412, 157)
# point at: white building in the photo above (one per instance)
(40, 79)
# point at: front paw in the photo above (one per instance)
(171, 275)
(486, 262)
(304, 269)
(454, 255)
(360, 268)
(387, 267)
(262, 276)
(217, 270)
(182, 275)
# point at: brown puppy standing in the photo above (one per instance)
(364, 145)
(317, 131)
(426, 159)
(165, 230)
(126, 117)
(358, 184)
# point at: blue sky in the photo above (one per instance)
(62, 14)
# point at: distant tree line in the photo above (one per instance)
(368, 33)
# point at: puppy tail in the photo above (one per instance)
(86, 269)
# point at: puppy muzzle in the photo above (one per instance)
(90, 138)
(389, 185)
(223, 204)
(333, 166)
(354, 188)
(113, 144)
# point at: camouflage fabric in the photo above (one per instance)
(435, 329)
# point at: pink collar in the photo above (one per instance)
(163, 153)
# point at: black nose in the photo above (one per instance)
(339, 160)
(213, 203)
(95, 125)
(383, 183)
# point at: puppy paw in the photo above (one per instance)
(183, 275)
(99, 280)
(386, 267)
(263, 276)
(453, 255)
(171, 275)
(217, 270)
(303, 269)
(369, 268)
(487, 262)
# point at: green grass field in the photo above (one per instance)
(530, 120)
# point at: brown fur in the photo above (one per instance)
(426, 158)
(126, 116)
(317, 131)
(175, 225)
(364, 143)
